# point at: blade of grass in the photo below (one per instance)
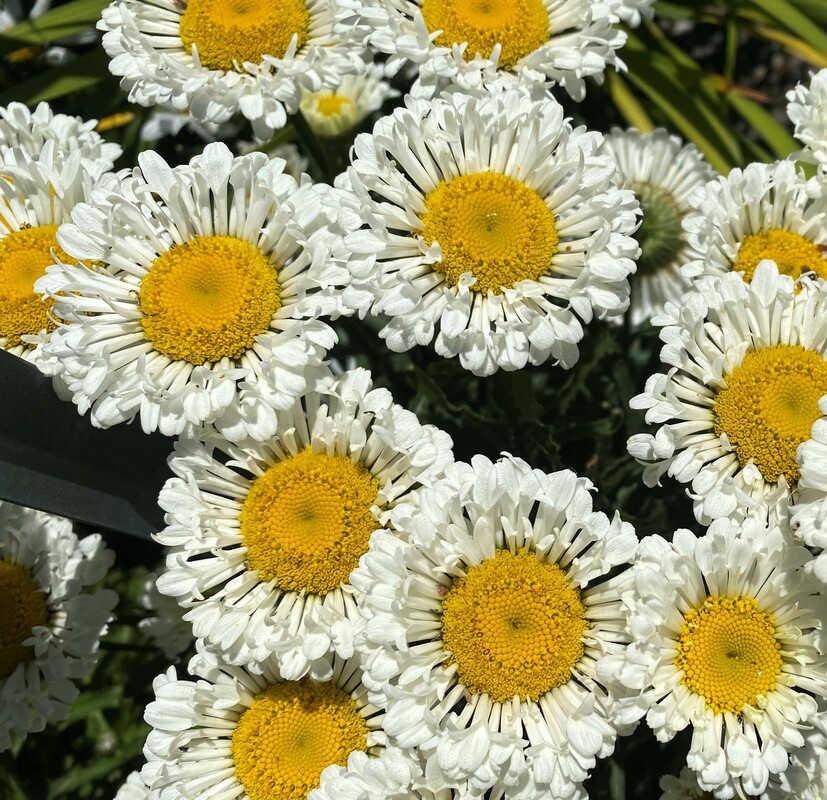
(789, 17)
(629, 106)
(778, 139)
(60, 22)
(85, 71)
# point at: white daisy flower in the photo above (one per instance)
(766, 211)
(550, 42)
(807, 110)
(218, 57)
(206, 307)
(726, 636)
(662, 171)
(37, 196)
(30, 130)
(684, 787)
(746, 373)
(334, 112)
(249, 737)
(486, 622)
(632, 12)
(494, 228)
(133, 788)
(806, 777)
(50, 627)
(165, 624)
(265, 536)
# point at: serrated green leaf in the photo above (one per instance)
(82, 73)
(60, 22)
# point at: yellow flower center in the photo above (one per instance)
(519, 26)
(208, 299)
(792, 253)
(290, 733)
(514, 626)
(307, 520)
(728, 652)
(24, 256)
(770, 405)
(229, 31)
(492, 226)
(331, 104)
(23, 608)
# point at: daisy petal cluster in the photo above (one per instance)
(50, 627)
(807, 110)
(662, 171)
(727, 640)
(746, 373)
(164, 623)
(215, 58)
(203, 305)
(486, 623)
(525, 41)
(493, 229)
(133, 788)
(765, 211)
(264, 536)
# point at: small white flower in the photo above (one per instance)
(165, 624)
(807, 110)
(133, 788)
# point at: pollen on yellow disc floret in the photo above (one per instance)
(307, 520)
(769, 406)
(519, 26)
(208, 299)
(729, 653)
(490, 225)
(514, 626)
(793, 254)
(290, 733)
(228, 31)
(23, 608)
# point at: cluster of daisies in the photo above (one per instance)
(373, 619)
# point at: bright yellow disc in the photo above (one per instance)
(290, 733)
(729, 653)
(793, 254)
(23, 607)
(514, 625)
(490, 225)
(307, 521)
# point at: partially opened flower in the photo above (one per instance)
(205, 307)
(662, 171)
(727, 640)
(49, 626)
(766, 211)
(746, 373)
(214, 58)
(486, 623)
(546, 42)
(265, 536)
(807, 110)
(257, 737)
(494, 228)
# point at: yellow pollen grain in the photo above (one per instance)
(793, 254)
(729, 654)
(307, 520)
(769, 406)
(23, 608)
(290, 733)
(24, 256)
(208, 299)
(228, 31)
(490, 225)
(519, 26)
(514, 626)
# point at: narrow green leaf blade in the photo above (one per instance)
(66, 20)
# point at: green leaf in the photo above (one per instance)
(82, 73)
(91, 701)
(66, 20)
(779, 140)
(789, 17)
(629, 106)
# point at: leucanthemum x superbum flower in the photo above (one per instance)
(265, 536)
(726, 634)
(30, 130)
(164, 624)
(257, 737)
(807, 110)
(766, 211)
(218, 57)
(133, 788)
(486, 622)
(747, 372)
(493, 228)
(50, 627)
(546, 42)
(337, 111)
(632, 12)
(662, 171)
(37, 196)
(205, 309)
(684, 787)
